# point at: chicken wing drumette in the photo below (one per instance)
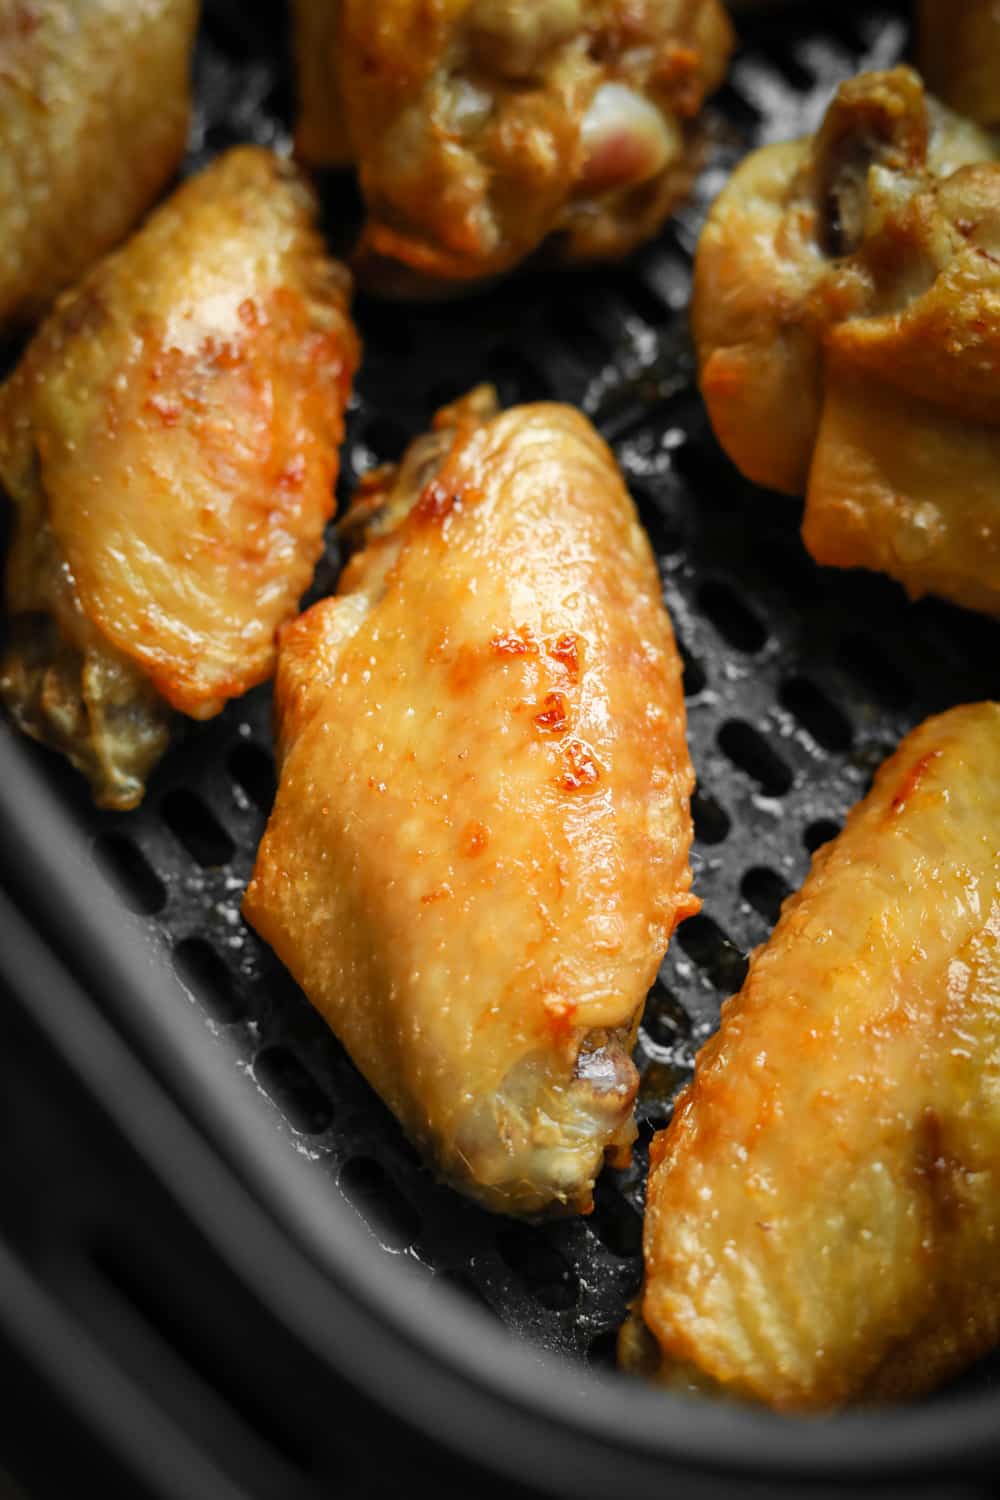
(479, 847)
(480, 128)
(959, 55)
(823, 1211)
(169, 441)
(94, 104)
(847, 317)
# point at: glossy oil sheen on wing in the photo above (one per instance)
(479, 847)
(187, 424)
(824, 1210)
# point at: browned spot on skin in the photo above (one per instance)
(169, 412)
(938, 1173)
(247, 311)
(554, 717)
(438, 500)
(581, 770)
(464, 670)
(376, 786)
(566, 651)
(292, 476)
(560, 1013)
(440, 893)
(475, 838)
(515, 643)
(678, 71)
(912, 780)
(85, 313)
(26, 19)
(435, 502)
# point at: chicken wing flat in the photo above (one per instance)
(847, 318)
(823, 1211)
(94, 105)
(479, 847)
(482, 127)
(959, 55)
(169, 441)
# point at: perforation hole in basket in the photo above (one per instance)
(789, 566)
(518, 378)
(866, 662)
(196, 828)
(820, 832)
(386, 438)
(294, 1090)
(252, 769)
(704, 941)
(645, 302)
(711, 821)
(765, 890)
(750, 751)
(732, 617)
(965, 635)
(665, 1021)
(576, 334)
(543, 1271)
(665, 531)
(204, 973)
(383, 328)
(615, 1222)
(704, 467)
(391, 1218)
(816, 713)
(739, 110)
(138, 884)
(695, 680)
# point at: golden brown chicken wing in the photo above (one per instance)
(847, 318)
(169, 441)
(823, 1211)
(479, 848)
(959, 55)
(482, 127)
(94, 104)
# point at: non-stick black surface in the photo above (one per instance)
(799, 681)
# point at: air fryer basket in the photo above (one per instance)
(798, 682)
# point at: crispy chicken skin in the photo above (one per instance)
(169, 441)
(959, 55)
(479, 847)
(847, 318)
(823, 1211)
(94, 105)
(482, 127)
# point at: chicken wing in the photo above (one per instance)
(94, 105)
(847, 318)
(959, 55)
(823, 1211)
(479, 847)
(169, 441)
(482, 127)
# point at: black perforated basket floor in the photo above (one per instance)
(799, 681)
